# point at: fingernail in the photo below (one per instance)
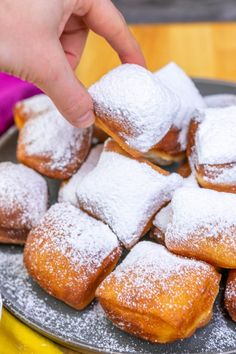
(86, 120)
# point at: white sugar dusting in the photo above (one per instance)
(195, 209)
(91, 325)
(230, 291)
(150, 270)
(51, 136)
(35, 105)
(125, 194)
(180, 83)
(164, 216)
(140, 106)
(67, 192)
(23, 196)
(216, 136)
(220, 100)
(83, 240)
(221, 336)
(219, 175)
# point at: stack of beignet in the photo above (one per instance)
(112, 194)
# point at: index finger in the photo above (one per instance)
(102, 17)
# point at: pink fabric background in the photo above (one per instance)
(12, 90)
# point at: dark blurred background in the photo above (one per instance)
(140, 11)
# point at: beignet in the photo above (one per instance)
(133, 107)
(203, 226)
(173, 145)
(230, 294)
(70, 253)
(164, 216)
(125, 193)
(212, 148)
(30, 108)
(23, 201)
(68, 189)
(159, 296)
(52, 146)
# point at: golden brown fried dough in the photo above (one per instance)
(158, 296)
(70, 253)
(203, 226)
(211, 148)
(52, 146)
(23, 201)
(230, 294)
(136, 121)
(30, 108)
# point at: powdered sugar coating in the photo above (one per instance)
(91, 325)
(23, 196)
(148, 272)
(220, 100)
(220, 174)
(196, 208)
(54, 138)
(230, 293)
(138, 106)
(125, 194)
(67, 192)
(83, 240)
(35, 105)
(164, 216)
(216, 136)
(179, 82)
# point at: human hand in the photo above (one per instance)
(42, 42)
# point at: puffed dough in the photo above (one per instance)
(30, 108)
(158, 296)
(23, 201)
(70, 253)
(134, 108)
(203, 226)
(230, 294)
(211, 149)
(52, 146)
(126, 193)
(173, 145)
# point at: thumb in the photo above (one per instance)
(59, 82)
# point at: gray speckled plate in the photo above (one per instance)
(89, 330)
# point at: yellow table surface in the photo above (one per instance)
(203, 50)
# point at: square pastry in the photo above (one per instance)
(69, 253)
(202, 225)
(212, 148)
(174, 143)
(159, 296)
(134, 108)
(126, 193)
